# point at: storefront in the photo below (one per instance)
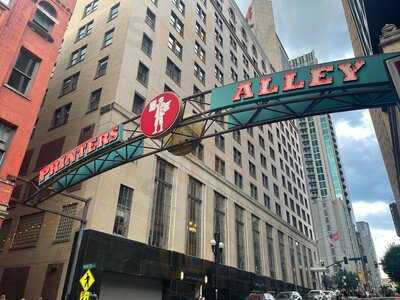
(126, 269)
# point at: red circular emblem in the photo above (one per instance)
(160, 115)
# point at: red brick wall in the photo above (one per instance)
(19, 111)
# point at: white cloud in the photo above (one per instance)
(365, 130)
(364, 209)
(383, 238)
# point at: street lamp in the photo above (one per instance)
(217, 247)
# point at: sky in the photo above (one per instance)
(320, 25)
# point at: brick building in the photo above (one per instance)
(34, 31)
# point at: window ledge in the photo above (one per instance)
(39, 30)
(3, 6)
(17, 92)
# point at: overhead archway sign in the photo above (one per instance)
(350, 84)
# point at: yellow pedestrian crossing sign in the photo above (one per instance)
(87, 280)
(85, 296)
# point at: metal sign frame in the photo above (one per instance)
(135, 145)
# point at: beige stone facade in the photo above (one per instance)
(277, 143)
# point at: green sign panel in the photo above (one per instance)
(351, 84)
(332, 87)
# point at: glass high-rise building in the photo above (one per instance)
(331, 208)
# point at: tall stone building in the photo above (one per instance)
(373, 274)
(331, 209)
(373, 28)
(260, 18)
(249, 186)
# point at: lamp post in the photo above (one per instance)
(322, 263)
(217, 246)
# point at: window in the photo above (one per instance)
(252, 170)
(278, 210)
(85, 30)
(200, 32)
(94, 100)
(199, 73)
(238, 180)
(180, 5)
(193, 241)
(256, 244)
(138, 104)
(175, 46)
(45, 16)
(218, 21)
(237, 157)
(61, 115)
(220, 142)
(65, 225)
(272, 153)
(22, 74)
(6, 134)
(143, 74)
(234, 75)
(150, 19)
(244, 34)
(173, 72)
(282, 254)
(261, 141)
(219, 166)
(114, 12)
(199, 152)
(263, 161)
(218, 56)
(108, 38)
(220, 219)
(253, 191)
(28, 231)
(237, 136)
(276, 190)
(271, 251)
(160, 214)
(240, 238)
(233, 43)
(250, 148)
(123, 213)
(4, 232)
(91, 7)
(69, 84)
(265, 181)
(200, 13)
(219, 75)
(176, 23)
(102, 67)
(274, 172)
(199, 52)
(218, 38)
(267, 201)
(147, 45)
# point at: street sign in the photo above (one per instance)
(89, 266)
(87, 280)
(318, 269)
(84, 296)
(160, 115)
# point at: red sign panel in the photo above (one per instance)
(160, 115)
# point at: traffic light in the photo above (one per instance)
(376, 264)
(365, 259)
(345, 260)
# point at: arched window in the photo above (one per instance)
(45, 16)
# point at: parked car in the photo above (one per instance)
(315, 295)
(290, 295)
(329, 295)
(268, 296)
(260, 296)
